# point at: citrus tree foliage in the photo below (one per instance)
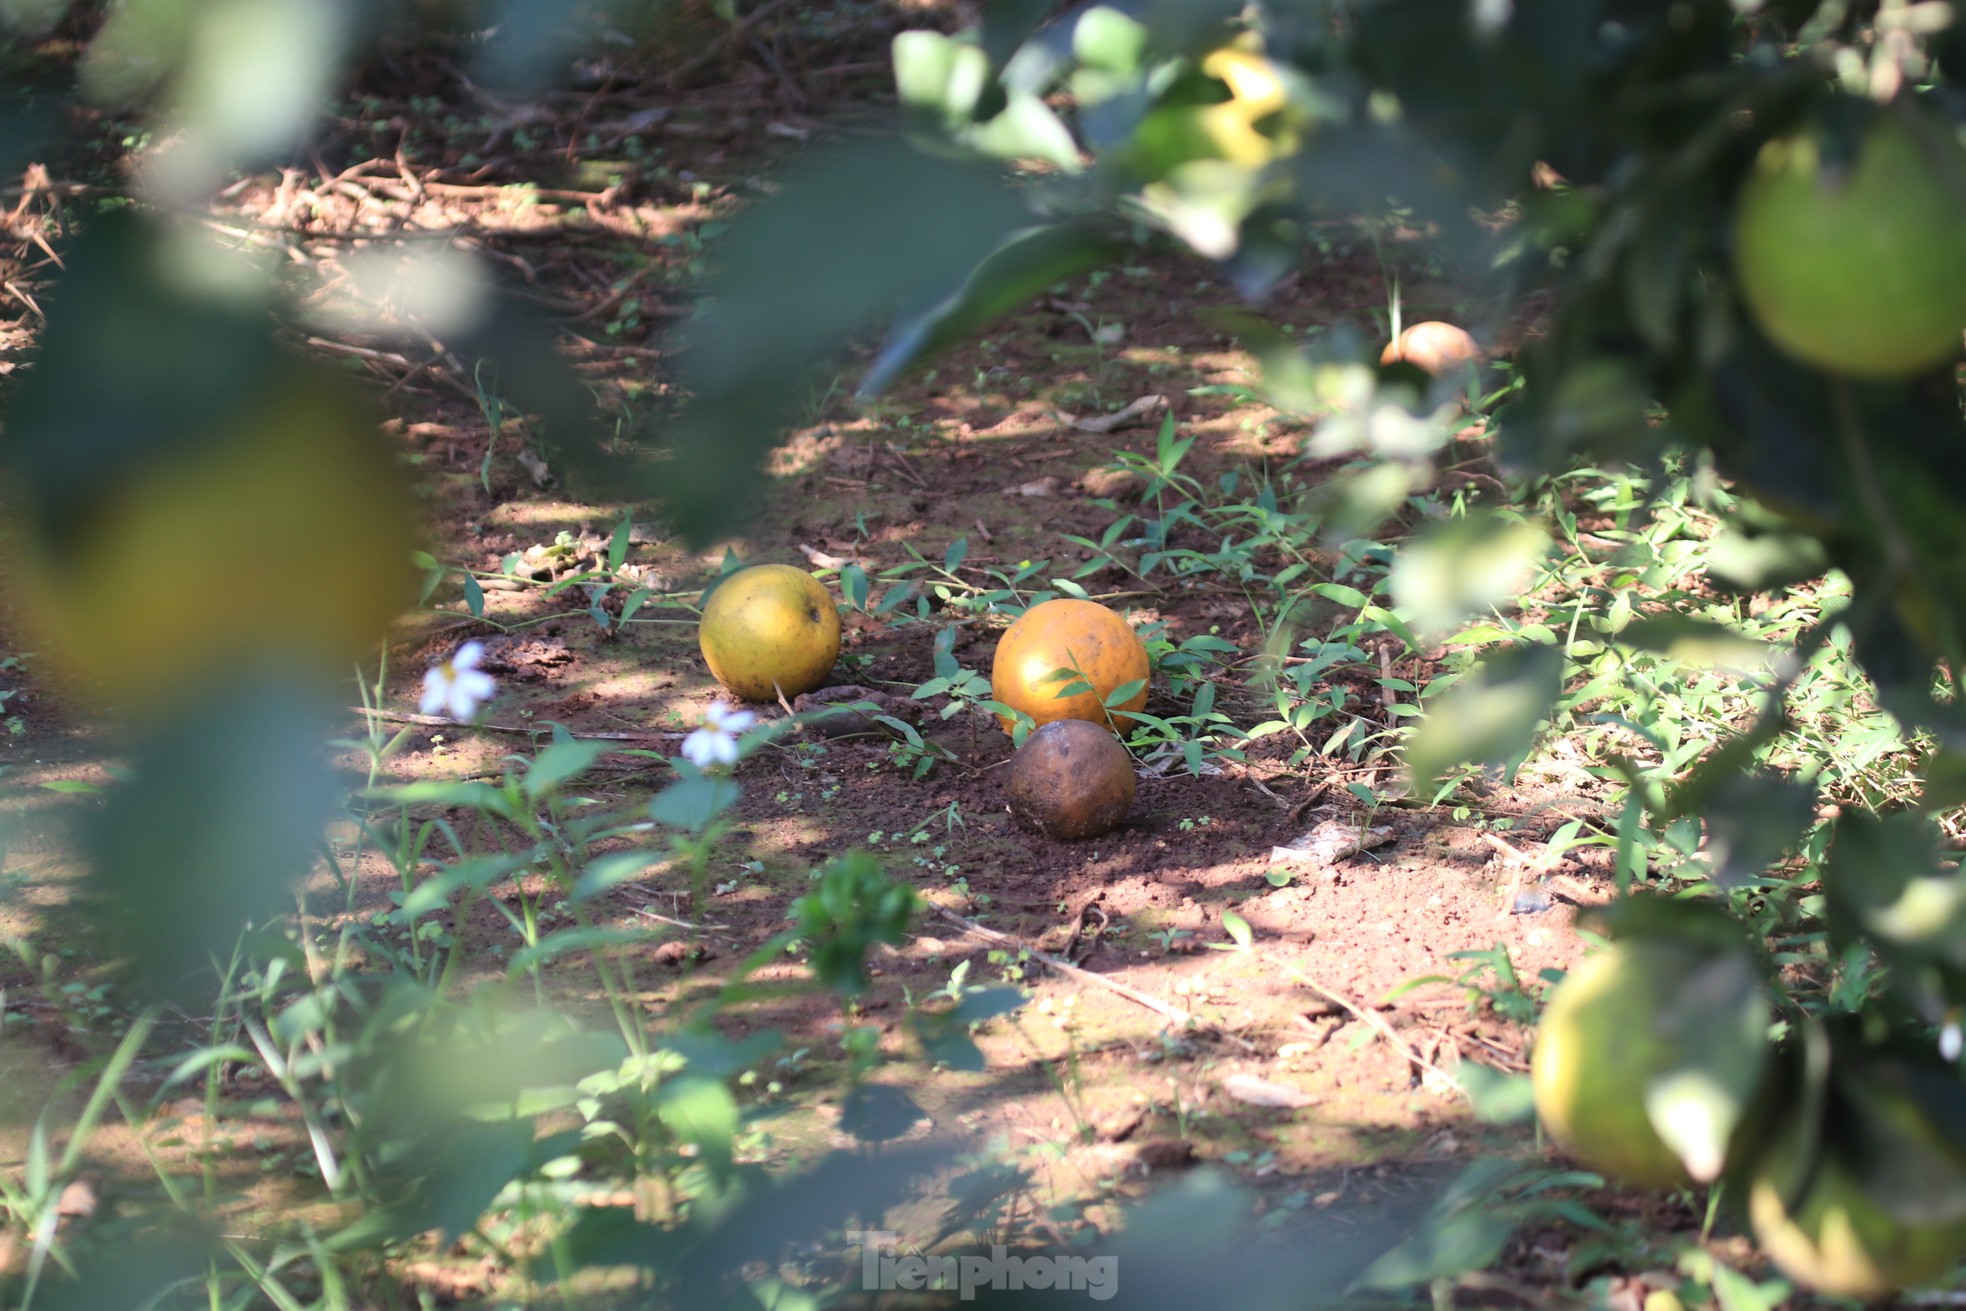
(1747, 220)
(1646, 166)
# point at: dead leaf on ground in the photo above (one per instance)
(1262, 1092)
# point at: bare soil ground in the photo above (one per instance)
(1298, 1063)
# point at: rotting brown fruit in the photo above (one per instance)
(1071, 780)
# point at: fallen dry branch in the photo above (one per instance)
(529, 730)
(1378, 1022)
(1170, 1012)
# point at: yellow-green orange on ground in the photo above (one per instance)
(770, 630)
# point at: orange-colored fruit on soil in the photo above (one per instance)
(1434, 346)
(1071, 780)
(1073, 635)
(769, 630)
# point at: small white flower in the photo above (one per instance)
(457, 687)
(716, 742)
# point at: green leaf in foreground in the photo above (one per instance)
(223, 815)
(1716, 1018)
(1464, 566)
(1489, 717)
(846, 231)
(1024, 265)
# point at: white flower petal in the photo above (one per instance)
(436, 689)
(699, 748)
(739, 720)
(468, 655)
(724, 748)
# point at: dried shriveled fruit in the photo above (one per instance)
(1071, 780)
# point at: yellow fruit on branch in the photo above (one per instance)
(1839, 1238)
(1859, 270)
(1062, 645)
(282, 537)
(770, 630)
(1605, 1040)
(1256, 93)
(1257, 124)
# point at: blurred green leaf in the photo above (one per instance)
(138, 1271)
(1464, 566)
(1695, 641)
(1715, 1020)
(710, 1053)
(1734, 1291)
(879, 1112)
(979, 1004)
(1006, 25)
(1897, 1120)
(1695, 921)
(132, 368)
(468, 1170)
(1356, 501)
(690, 803)
(598, 937)
(1488, 717)
(1752, 819)
(1024, 265)
(515, 355)
(465, 794)
(1462, 1231)
(700, 1111)
(1754, 562)
(558, 765)
(1497, 1097)
(607, 872)
(223, 816)
(940, 76)
(526, 42)
(846, 231)
(474, 872)
(1108, 38)
(1026, 128)
(768, 1218)
(1876, 859)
